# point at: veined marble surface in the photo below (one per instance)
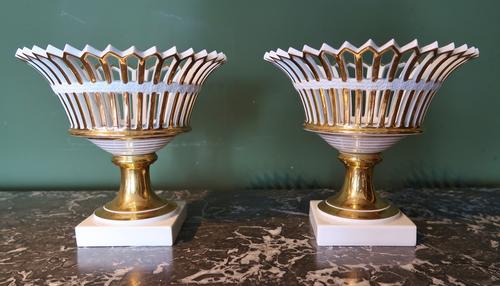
(252, 237)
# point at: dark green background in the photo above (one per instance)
(247, 121)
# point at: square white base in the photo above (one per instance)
(158, 231)
(335, 231)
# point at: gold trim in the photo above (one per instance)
(390, 211)
(360, 130)
(128, 134)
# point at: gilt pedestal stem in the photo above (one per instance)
(357, 198)
(135, 199)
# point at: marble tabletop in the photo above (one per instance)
(252, 237)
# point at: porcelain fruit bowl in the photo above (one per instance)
(131, 104)
(362, 100)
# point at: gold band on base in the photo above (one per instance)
(135, 199)
(357, 198)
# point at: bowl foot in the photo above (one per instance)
(330, 230)
(158, 231)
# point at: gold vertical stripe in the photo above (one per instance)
(406, 108)
(191, 107)
(188, 110)
(90, 110)
(126, 100)
(347, 116)
(113, 112)
(345, 92)
(309, 93)
(371, 96)
(331, 92)
(397, 97)
(77, 111)
(176, 110)
(138, 116)
(357, 106)
(358, 94)
(172, 110)
(162, 120)
(383, 108)
(69, 64)
(100, 105)
(387, 93)
(321, 106)
(87, 65)
(152, 110)
(333, 100)
(371, 106)
(409, 68)
(174, 65)
(126, 110)
(140, 96)
(186, 105)
(156, 79)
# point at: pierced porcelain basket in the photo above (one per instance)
(362, 100)
(130, 103)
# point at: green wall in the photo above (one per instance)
(247, 121)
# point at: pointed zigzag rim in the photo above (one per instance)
(22, 53)
(347, 46)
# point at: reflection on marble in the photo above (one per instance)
(252, 237)
(90, 259)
